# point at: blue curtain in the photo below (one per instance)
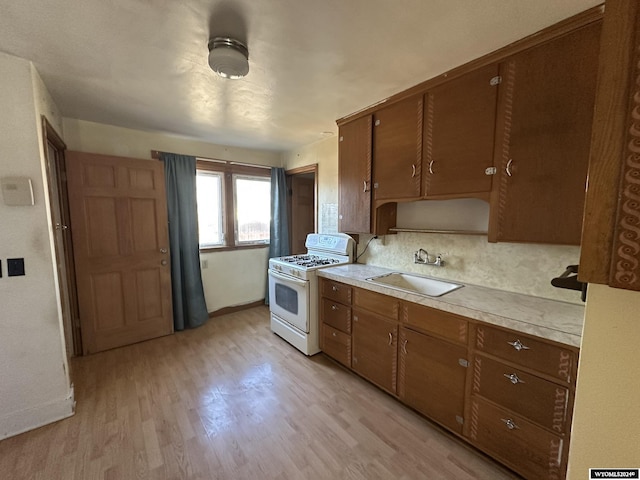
(189, 307)
(279, 229)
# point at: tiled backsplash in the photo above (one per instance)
(515, 267)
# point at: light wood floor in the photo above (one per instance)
(231, 400)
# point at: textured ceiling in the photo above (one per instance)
(142, 64)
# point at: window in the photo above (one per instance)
(252, 197)
(209, 188)
(234, 205)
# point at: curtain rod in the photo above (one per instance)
(155, 154)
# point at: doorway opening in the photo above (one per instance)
(302, 204)
(56, 171)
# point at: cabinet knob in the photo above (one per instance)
(163, 250)
(518, 345)
(355, 318)
(334, 288)
(334, 308)
(513, 378)
(334, 334)
(509, 423)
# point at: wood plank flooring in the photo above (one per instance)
(231, 400)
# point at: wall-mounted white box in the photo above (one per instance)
(17, 191)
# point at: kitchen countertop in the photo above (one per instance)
(550, 319)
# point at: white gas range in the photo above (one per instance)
(293, 288)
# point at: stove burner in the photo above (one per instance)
(309, 260)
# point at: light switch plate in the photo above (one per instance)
(17, 191)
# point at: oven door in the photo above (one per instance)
(289, 299)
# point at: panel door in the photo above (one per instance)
(432, 377)
(354, 174)
(375, 348)
(121, 249)
(543, 141)
(397, 150)
(459, 133)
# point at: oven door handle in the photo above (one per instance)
(287, 278)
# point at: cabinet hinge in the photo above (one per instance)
(463, 363)
(459, 419)
(490, 171)
(341, 138)
(497, 80)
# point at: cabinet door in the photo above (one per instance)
(543, 142)
(354, 173)
(459, 134)
(397, 150)
(432, 377)
(375, 348)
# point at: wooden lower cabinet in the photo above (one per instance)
(508, 394)
(432, 377)
(532, 451)
(375, 348)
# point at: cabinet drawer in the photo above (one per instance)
(535, 398)
(442, 324)
(376, 302)
(336, 314)
(337, 345)
(525, 447)
(336, 291)
(527, 351)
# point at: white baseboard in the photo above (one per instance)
(31, 418)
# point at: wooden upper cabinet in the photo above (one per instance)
(354, 173)
(397, 150)
(543, 140)
(459, 129)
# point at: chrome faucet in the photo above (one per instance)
(425, 260)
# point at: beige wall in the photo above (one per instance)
(34, 383)
(606, 421)
(231, 278)
(125, 142)
(324, 153)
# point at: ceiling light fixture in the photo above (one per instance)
(228, 57)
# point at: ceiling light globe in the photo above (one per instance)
(229, 58)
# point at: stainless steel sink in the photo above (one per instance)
(410, 283)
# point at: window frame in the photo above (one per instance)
(228, 208)
(223, 212)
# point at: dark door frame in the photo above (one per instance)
(305, 170)
(51, 138)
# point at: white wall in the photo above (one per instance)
(231, 278)
(34, 379)
(606, 421)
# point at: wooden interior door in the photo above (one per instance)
(121, 248)
(303, 208)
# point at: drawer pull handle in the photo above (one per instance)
(509, 423)
(513, 378)
(334, 334)
(518, 345)
(404, 346)
(333, 307)
(334, 288)
(390, 338)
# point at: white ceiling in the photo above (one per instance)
(142, 64)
